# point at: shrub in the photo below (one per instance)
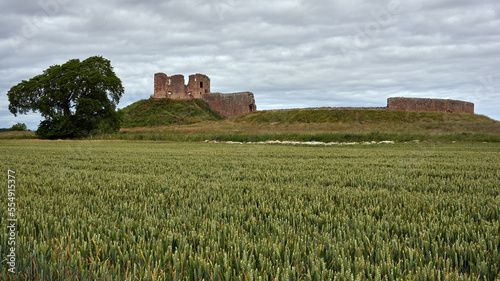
(19, 127)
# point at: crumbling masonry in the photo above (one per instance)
(437, 105)
(198, 87)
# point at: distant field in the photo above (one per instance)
(99, 210)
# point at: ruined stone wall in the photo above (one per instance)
(231, 104)
(438, 105)
(161, 81)
(198, 85)
(173, 87)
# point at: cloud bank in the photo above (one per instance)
(290, 53)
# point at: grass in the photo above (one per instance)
(18, 135)
(354, 116)
(100, 210)
(156, 112)
(372, 120)
(328, 125)
(320, 137)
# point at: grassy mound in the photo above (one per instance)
(162, 112)
(355, 120)
(328, 125)
(357, 116)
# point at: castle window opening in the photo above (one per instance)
(169, 93)
(251, 108)
(169, 81)
(189, 93)
(201, 84)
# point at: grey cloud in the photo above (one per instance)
(290, 53)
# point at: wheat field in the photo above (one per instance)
(135, 210)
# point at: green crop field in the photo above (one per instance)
(131, 210)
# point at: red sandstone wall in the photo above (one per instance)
(173, 87)
(198, 85)
(231, 104)
(161, 80)
(439, 105)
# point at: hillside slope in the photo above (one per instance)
(329, 124)
(163, 112)
(358, 116)
(359, 120)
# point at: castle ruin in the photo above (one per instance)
(437, 105)
(198, 87)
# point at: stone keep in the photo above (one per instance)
(173, 87)
(198, 87)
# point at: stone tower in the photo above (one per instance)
(198, 87)
(173, 87)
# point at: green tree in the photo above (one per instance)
(19, 127)
(77, 99)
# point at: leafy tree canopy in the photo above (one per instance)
(77, 99)
(19, 127)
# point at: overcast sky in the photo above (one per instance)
(289, 53)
